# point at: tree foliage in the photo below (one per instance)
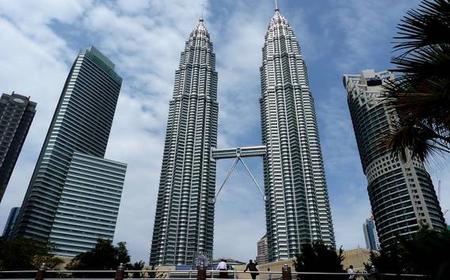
(421, 92)
(136, 266)
(103, 256)
(428, 252)
(21, 253)
(318, 258)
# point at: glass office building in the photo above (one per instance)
(401, 193)
(10, 222)
(74, 194)
(370, 235)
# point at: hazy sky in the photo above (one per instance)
(40, 40)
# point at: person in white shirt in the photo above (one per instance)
(223, 267)
(351, 273)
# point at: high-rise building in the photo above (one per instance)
(262, 250)
(370, 235)
(10, 222)
(16, 114)
(401, 193)
(74, 194)
(297, 206)
(184, 218)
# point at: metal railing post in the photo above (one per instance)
(286, 273)
(120, 272)
(40, 273)
(201, 272)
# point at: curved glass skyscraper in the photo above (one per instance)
(297, 206)
(401, 193)
(184, 219)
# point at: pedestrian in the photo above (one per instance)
(252, 267)
(270, 274)
(351, 273)
(223, 268)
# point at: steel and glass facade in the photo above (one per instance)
(297, 206)
(55, 202)
(16, 114)
(184, 218)
(89, 204)
(10, 222)
(370, 235)
(401, 193)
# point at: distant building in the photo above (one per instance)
(16, 114)
(401, 193)
(370, 235)
(230, 262)
(262, 251)
(74, 194)
(10, 222)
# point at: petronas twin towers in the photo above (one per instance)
(184, 215)
(297, 206)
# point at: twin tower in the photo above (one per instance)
(297, 206)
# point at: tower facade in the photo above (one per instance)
(297, 206)
(16, 114)
(261, 250)
(370, 235)
(401, 193)
(74, 193)
(184, 218)
(11, 221)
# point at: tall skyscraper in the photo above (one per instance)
(16, 114)
(185, 213)
(370, 235)
(401, 193)
(74, 193)
(10, 222)
(297, 206)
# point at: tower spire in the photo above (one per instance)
(276, 5)
(203, 11)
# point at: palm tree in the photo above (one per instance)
(421, 91)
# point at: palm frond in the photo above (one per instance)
(418, 141)
(428, 25)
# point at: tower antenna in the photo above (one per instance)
(203, 10)
(276, 5)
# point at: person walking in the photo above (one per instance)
(251, 266)
(223, 268)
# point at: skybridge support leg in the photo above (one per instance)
(238, 154)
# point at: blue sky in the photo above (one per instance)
(144, 39)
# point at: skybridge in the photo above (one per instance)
(238, 154)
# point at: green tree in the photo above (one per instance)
(319, 258)
(421, 90)
(21, 253)
(103, 256)
(136, 266)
